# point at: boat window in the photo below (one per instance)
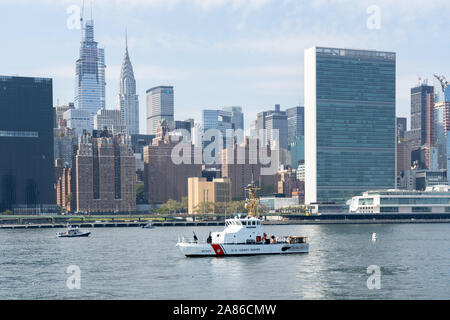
(244, 223)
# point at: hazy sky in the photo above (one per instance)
(222, 52)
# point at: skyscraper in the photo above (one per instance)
(237, 117)
(295, 122)
(26, 145)
(90, 73)
(274, 120)
(422, 100)
(127, 99)
(350, 124)
(160, 106)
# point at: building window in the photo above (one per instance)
(421, 209)
(389, 209)
(19, 134)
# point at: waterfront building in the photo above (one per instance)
(432, 200)
(237, 165)
(110, 120)
(104, 174)
(160, 106)
(90, 73)
(26, 145)
(80, 120)
(295, 123)
(274, 203)
(200, 191)
(163, 179)
(127, 99)
(350, 123)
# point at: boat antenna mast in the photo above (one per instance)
(252, 200)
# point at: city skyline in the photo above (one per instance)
(229, 55)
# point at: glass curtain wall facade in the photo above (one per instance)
(160, 106)
(350, 133)
(26, 145)
(90, 73)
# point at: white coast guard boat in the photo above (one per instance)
(243, 235)
(72, 232)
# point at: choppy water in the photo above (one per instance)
(131, 263)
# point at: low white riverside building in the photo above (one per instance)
(433, 200)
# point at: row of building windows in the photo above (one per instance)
(19, 134)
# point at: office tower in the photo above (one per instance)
(295, 122)
(127, 99)
(26, 145)
(90, 73)
(160, 106)
(80, 120)
(65, 141)
(110, 120)
(218, 120)
(201, 191)
(401, 128)
(163, 179)
(237, 117)
(104, 174)
(350, 124)
(239, 167)
(422, 99)
(297, 149)
(273, 121)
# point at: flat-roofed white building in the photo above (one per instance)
(433, 200)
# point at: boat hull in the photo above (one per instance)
(223, 250)
(85, 234)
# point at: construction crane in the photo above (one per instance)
(444, 82)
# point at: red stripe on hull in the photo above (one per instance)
(218, 249)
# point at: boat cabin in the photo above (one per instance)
(240, 229)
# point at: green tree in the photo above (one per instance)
(7, 213)
(184, 204)
(204, 207)
(140, 194)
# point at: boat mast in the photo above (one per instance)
(252, 200)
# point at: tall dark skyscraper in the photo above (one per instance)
(422, 100)
(26, 145)
(350, 123)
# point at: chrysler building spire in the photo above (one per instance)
(127, 100)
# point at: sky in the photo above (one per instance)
(216, 53)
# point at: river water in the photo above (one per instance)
(135, 263)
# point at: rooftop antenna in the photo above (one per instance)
(81, 19)
(91, 10)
